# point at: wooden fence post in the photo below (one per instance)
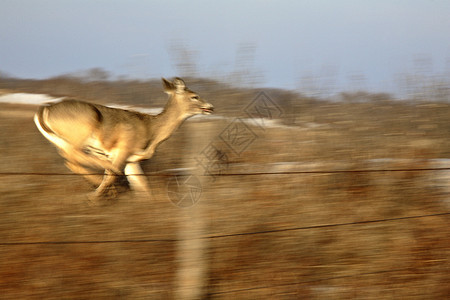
(192, 248)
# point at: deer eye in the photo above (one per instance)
(195, 98)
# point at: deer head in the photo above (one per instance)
(184, 99)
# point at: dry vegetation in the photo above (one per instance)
(392, 258)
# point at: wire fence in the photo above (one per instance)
(249, 233)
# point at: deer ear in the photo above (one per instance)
(179, 84)
(168, 86)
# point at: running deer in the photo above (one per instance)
(92, 136)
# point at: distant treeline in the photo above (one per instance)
(95, 85)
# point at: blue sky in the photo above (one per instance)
(289, 44)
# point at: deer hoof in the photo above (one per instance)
(102, 198)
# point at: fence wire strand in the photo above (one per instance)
(168, 240)
(236, 174)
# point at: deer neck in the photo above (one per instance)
(165, 123)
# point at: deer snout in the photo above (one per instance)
(207, 108)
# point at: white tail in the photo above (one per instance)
(92, 136)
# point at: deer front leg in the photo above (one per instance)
(137, 180)
(136, 177)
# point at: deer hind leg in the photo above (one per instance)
(111, 174)
(79, 157)
(81, 163)
(106, 188)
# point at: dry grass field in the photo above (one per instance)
(340, 200)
